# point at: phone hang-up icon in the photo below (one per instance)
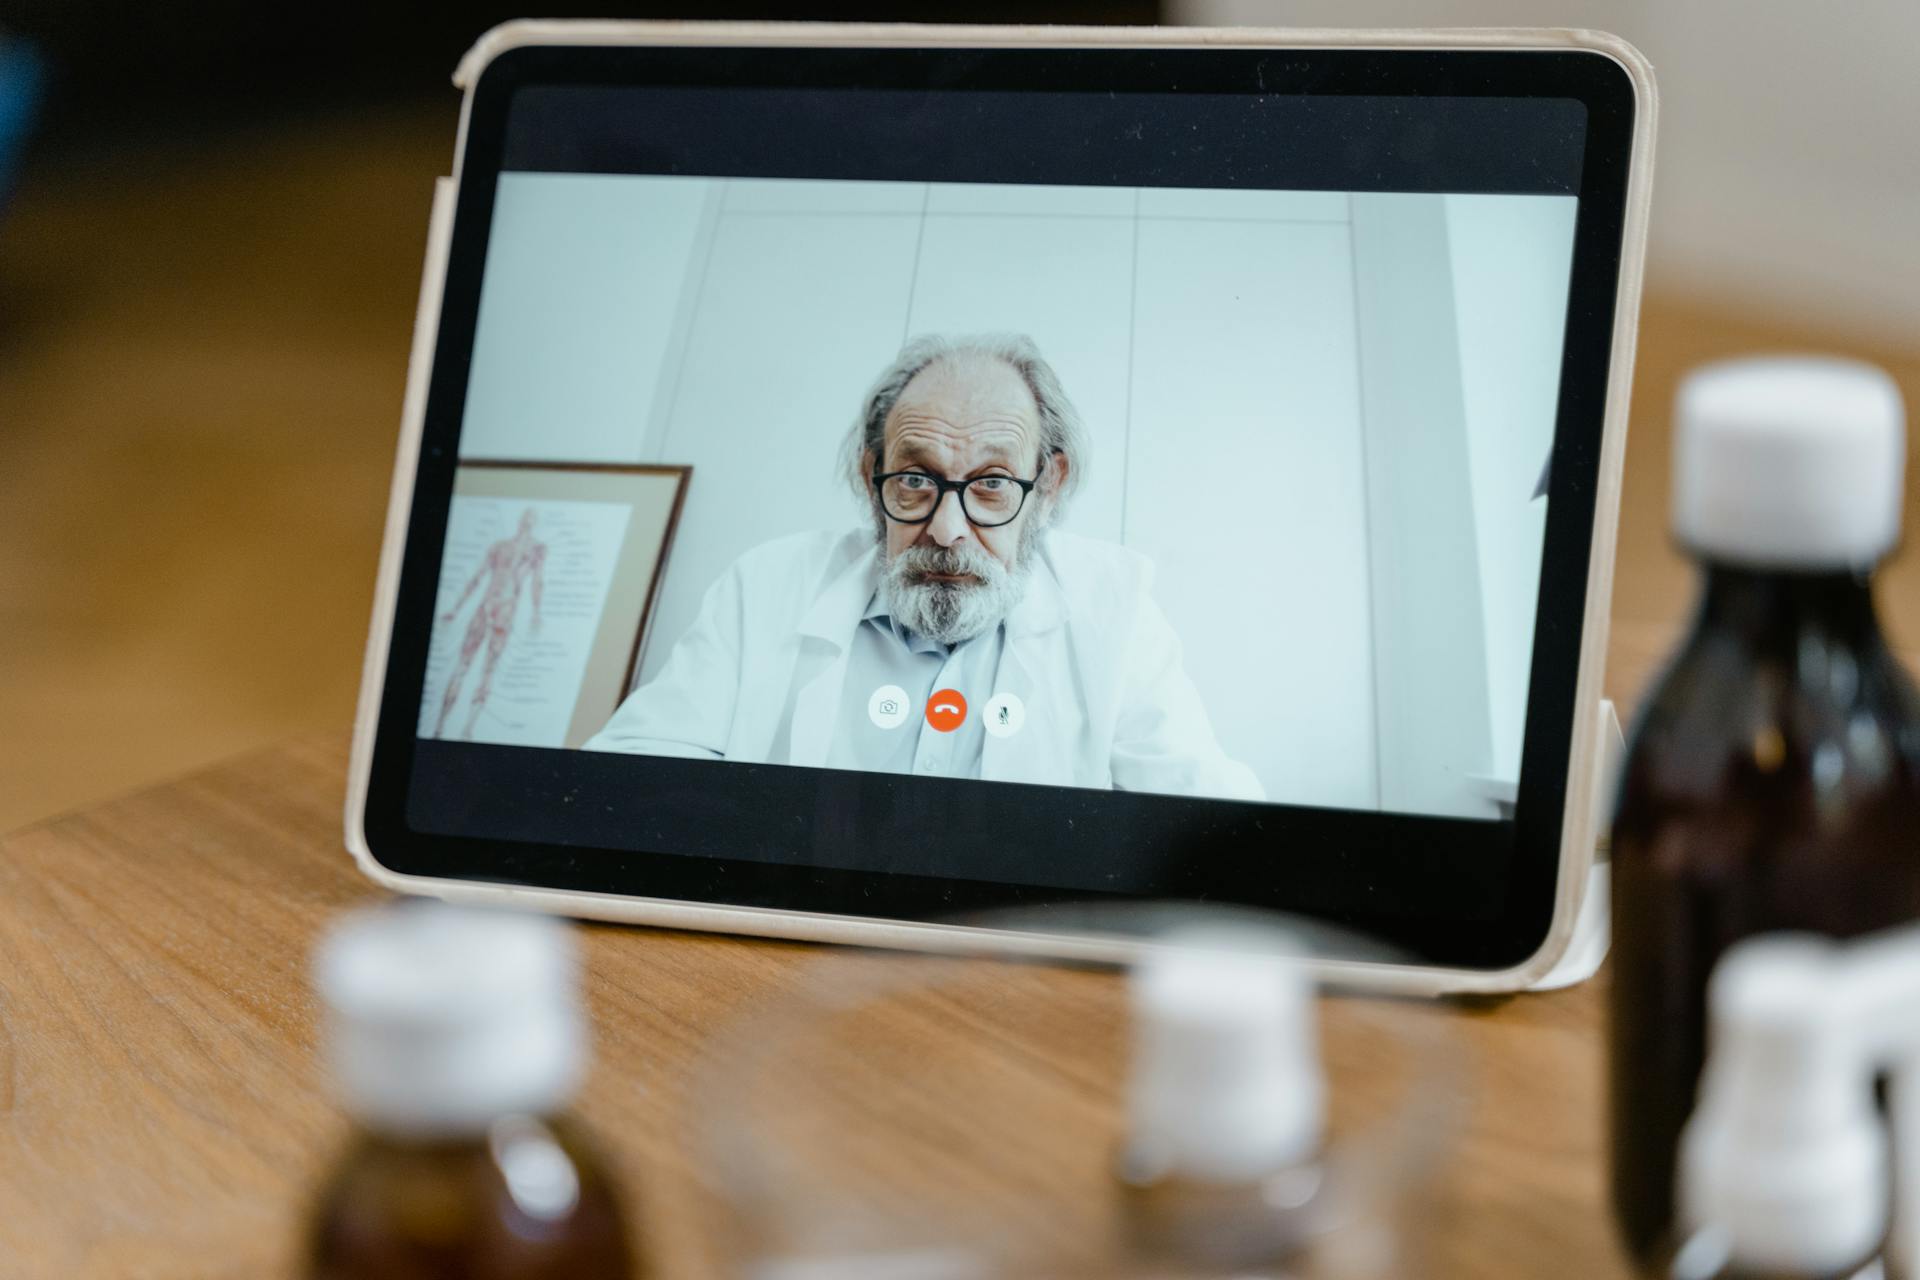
(946, 710)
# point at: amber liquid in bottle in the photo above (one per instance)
(1773, 783)
(528, 1201)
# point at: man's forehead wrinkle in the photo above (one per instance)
(936, 437)
(963, 414)
(929, 424)
(955, 417)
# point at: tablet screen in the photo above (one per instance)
(1007, 443)
(1156, 489)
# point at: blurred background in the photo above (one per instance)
(210, 247)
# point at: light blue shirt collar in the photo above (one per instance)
(878, 611)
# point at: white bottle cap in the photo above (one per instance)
(442, 1020)
(1226, 1083)
(1789, 463)
(1785, 1159)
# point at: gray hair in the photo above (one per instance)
(1061, 430)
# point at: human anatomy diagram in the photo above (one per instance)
(524, 583)
(512, 566)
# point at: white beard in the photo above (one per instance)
(951, 613)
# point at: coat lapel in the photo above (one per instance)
(826, 639)
(1035, 650)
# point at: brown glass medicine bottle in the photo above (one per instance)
(1773, 781)
(456, 1040)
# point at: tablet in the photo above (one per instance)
(858, 478)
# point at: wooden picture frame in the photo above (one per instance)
(621, 592)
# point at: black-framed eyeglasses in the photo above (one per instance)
(911, 497)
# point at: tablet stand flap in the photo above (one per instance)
(1592, 930)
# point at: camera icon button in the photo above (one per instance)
(889, 708)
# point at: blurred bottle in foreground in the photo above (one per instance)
(1222, 1164)
(1773, 781)
(1209, 1118)
(456, 1039)
(1786, 1169)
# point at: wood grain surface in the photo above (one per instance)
(163, 1112)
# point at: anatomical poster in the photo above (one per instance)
(542, 599)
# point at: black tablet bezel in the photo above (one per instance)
(1452, 892)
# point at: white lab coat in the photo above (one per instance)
(759, 674)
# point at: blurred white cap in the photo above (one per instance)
(1785, 1162)
(1789, 462)
(441, 1019)
(1226, 1082)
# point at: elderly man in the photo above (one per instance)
(958, 635)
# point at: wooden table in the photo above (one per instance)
(163, 1112)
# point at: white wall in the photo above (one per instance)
(1245, 483)
(1429, 630)
(1209, 339)
(582, 295)
(1510, 280)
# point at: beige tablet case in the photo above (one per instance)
(1576, 940)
